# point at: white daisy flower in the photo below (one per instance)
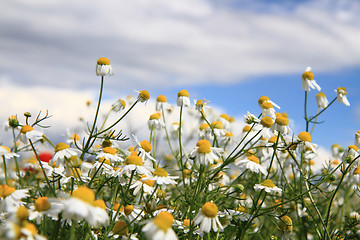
(321, 100)
(27, 132)
(308, 80)
(204, 131)
(144, 95)
(263, 99)
(155, 122)
(105, 167)
(160, 227)
(241, 213)
(268, 186)
(341, 96)
(251, 118)
(267, 123)
(204, 153)
(6, 153)
(281, 125)
(305, 142)
(218, 129)
(103, 67)
(110, 153)
(225, 120)
(134, 163)
(144, 184)
(118, 105)
(208, 218)
(183, 98)
(267, 109)
(161, 103)
(45, 207)
(133, 214)
(350, 153)
(62, 152)
(161, 177)
(201, 105)
(10, 198)
(252, 163)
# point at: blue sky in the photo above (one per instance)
(229, 52)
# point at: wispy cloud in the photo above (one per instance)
(168, 43)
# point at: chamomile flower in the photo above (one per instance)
(183, 98)
(118, 105)
(6, 153)
(263, 99)
(201, 105)
(133, 214)
(218, 128)
(267, 123)
(145, 184)
(162, 177)
(145, 149)
(144, 96)
(250, 118)
(27, 133)
(161, 103)
(252, 163)
(225, 120)
(11, 198)
(83, 206)
(268, 186)
(204, 153)
(281, 125)
(103, 67)
(267, 109)
(134, 163)
(204, 131)
(350, 153)
(110, 153)
(45, 207)
(305, 142)
(341, 96)
(308, 80)
(208, 218)
(62, 152)
(155, 122)
(321, 100)
(159, 228)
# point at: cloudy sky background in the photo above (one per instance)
(229, 52)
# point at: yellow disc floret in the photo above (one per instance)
(267, 105)
(128, 209)
(109, 150)
(161, 98)
(26, 128)
(203, 146)
(7, 149)
(266, 122)
(357, 170)
(282, 121)
(225, 116)
(209, 209)
(308, 75)
(263, 99)
(154, 116)
(246, 128)
(42, 204)
(120, 228)
(253, 159)
(285, 223)
(268, 183)
(134, 160)
(145, 145)
(61, 146)
(183, 93)
(204, 126)
(160, 172)
(186, 222)
(85, 194)
(99, 203)
(342, 90)
(164, 220)
(6, 191)
(217, 125)
(103, 61)
(22, 213)
(354, 147)
(304, 136)
(144, 95)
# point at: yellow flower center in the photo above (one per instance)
(183, 93)
(31, 228)
(164, 220)
(342, 90)
(246, 128)
(232, 119)
(263, 99)
(75, 137)
(84, 194)
(99, 203)
(243, 209)
(6, 190)
(42, 204)
(277, 114)
(285, 223)
(128, 209)
(217, 125)
(117, 206)
(26, 128)
(160, 172)
(357, 171)
(266, 105)
(200, 102)
(354, 147)
(266, 122)
(145, 145)
(22, 213)
(203, 146)
(161, 98)
(109, 150)
(186, 222)
(6, 148)
(148, 182)
(204, 126)
(320, 95)
(154, 116)
(61, 146)
(308, 75)
(268, 183)
(103, 61)
(134, 160)
(145, 95)
(120, 228)
(253, 159)
(225, 116)
(282, 121)
(304, 136)
(229, 134)
(210, 210)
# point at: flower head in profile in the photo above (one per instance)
(62, 152)
(6, 152)
(144, 95)
(268, 110)
(160, 227)
(204, 153)
(252, 163)
(263, 99)
(268, 186)
(208, 218)
(162, 177)
(305, 142)
(118, 105)
(155, 122)
(308, 80)
(27, 133)
(161, 103)
(341, 96)
(321, 100)
(103, 67)
(183, 98)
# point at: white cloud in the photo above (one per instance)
(167, 43)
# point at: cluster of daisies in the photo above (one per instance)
(202, 176)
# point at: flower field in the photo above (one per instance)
(214, 181)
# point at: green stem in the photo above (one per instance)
(4, 161)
